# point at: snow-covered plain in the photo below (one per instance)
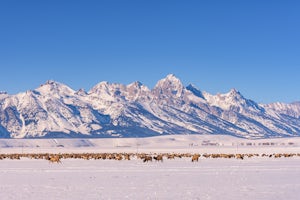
(251, 178)
(258, 178)
(160, 144)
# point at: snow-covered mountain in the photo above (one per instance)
(117, 110)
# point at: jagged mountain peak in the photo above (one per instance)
(135, 84)
(169, 79)
(52, 84)
(107, 86)
(81, 92)
(234, 93)
(53, 87)
(233, 96)
(191, 85)
(171, 85)
(231, 100)
(103, 85)
(195, 90)
(3, 95)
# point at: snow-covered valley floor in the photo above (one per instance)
(251, 178)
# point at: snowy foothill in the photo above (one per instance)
(159, 144)
(179, 178)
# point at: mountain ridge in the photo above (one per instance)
(117, 110)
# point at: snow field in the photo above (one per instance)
(259, 178)
(251, 178)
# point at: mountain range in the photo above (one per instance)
(116, 110)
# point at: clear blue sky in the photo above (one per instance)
(253, 46)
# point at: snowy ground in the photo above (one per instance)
(171, 143)
(251, 178)
(258, 178)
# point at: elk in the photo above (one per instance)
(158, 158)
(147, 158)
(127, 156)
(171, 156)
(118, 157)
(239, 156)
(195, 157)
(54, 158)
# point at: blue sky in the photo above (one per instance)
(253, 46)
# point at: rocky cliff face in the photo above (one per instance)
(117, 110)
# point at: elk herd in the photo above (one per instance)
(145, 157)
